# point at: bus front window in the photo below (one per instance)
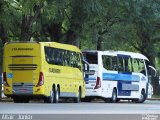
(91, 57)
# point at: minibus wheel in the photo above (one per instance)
(107, 100)
(114, 96)
(143, 97)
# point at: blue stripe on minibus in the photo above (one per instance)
(121, 77)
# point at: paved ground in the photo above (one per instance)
(81, 108)
(96, 110)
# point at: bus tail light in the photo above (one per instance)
(98, 83)
(5, 83)
(41, 79)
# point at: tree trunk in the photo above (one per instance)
(3, 34)
(26, 31)
(3, 31)
(147, 48)
(77, 19)
(100, 43)
(28, 20)
(54, 30)
(72, 38)
(156, 86)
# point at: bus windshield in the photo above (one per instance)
(91, 57)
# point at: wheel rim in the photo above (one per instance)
(142, 96)
(57, 95)
(79, 96)
(114, 97)
(51, 97)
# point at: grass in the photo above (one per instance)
(156, 96)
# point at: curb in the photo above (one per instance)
(5, 99)
(153, 99)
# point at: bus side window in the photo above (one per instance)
(67, 58)
(79, 62)
(135, 65)
(106, 62)
(121, 65)
(142, 67)
(138, 66)
(110, 62)
(114, 65)
(56, 55)
(46, 53)
(130, 65)
(73, 59)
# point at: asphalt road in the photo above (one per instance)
(93, 109)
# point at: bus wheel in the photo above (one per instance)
(142, 97)
(57, 94)
(114, 96)
(17, 100)
(51, 97)
(118, 100)
(107, 100)
(86, 99)
(25, 100)
(78, 98)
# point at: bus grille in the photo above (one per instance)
(22, 66)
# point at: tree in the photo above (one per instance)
(143, 17)
(3, 31)
(31, 12)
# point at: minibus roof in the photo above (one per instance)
(116, 53)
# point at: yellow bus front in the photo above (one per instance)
(22, 74)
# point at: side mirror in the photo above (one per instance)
(152, 71)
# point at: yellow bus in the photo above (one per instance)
(46, 70)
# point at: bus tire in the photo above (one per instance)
(57, 95)
(50, 98)
(86, 99)
(142, 98)
(77, 99)
(25, 100)
(107, 100)
(17, 100)
(118, 100)
(114, 96)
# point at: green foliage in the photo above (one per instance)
(131, 25)
(118, 24)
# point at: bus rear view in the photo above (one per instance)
(93, 82)
(21, 70)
